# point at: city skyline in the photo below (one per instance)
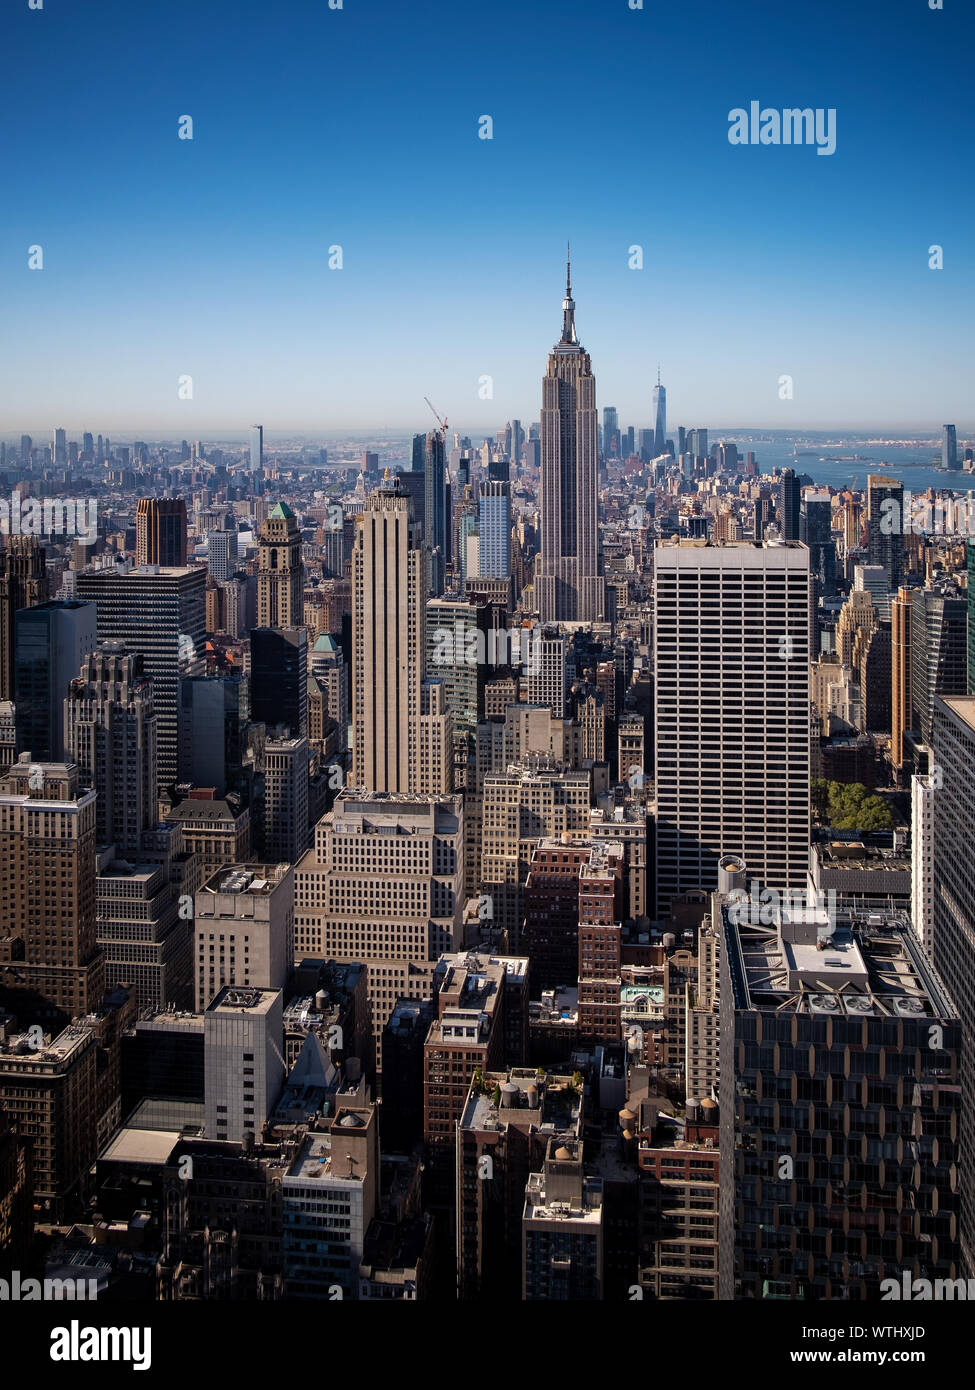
(486, 784)
(774, 263)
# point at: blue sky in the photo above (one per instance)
(358, 127)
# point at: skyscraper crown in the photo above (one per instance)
(568, 307)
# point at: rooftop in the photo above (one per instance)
(314, 1161)
(586, 1209)
(258, 880)
(963, 706)
(149, 1146)
(804, 963)
(855, 855)
(23, 1046)
(211, 811)
(234, 999)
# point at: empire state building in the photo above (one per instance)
(569, 582)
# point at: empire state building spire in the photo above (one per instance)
(569, 579)
(568, 305)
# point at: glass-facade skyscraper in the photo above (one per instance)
(816, 530)
(953, 925)
(789, 495)
(435, 509)
(839, 1106)
(659, 418)
(50, 642)
(885, 526)
(610, 427)
(257, 448)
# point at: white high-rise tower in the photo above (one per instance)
(731, 672)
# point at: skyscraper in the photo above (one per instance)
(159, 613)
(244, 929)
(731, 712)
(939, 652)
(50, 643)
(160, 531)
(550, 670)
(885, 526)
(214, 713)
(257, 448)
(872, 580)
(286, 829)
(494, 528)
(970, 566)
(517, 440)
(414, 484)
(949, 448)
(817, 532)
(610, 429)
(222, 554)
(789, 496)
(279, 680)
(833, 1034)
(280, 574)
(384, 885)
(435, 509)
(23, 583)
(764, 513)
(659, 417)
(242, 1023)
(900, 661)
(569, 583)
(390, 698)
(47, 890)
(697, 443)
(110, 732)
(953, 928)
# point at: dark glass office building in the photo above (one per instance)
(279, 680)
(50, 643)
(839, 1103)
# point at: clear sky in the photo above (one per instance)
(359, 127)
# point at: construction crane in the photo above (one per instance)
(442, 423)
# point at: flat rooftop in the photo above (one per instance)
(21, 1046)
(237, 999)
(205, 811)
(854, 855)
(961, 705)
(314, 1162)
(149, 1146)
(258, 880)
(587, 1211)
(853, 966)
